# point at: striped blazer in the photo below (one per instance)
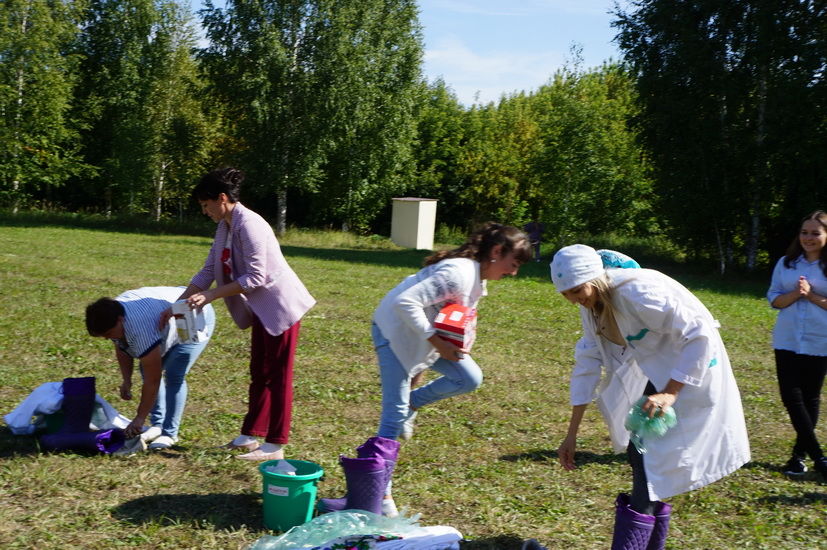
(272, 290)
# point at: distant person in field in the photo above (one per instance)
(534, 230)
(261, 291)
(407, 343)
(131, 322)
(645, 334)
(799, 292)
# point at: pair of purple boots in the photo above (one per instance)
(636, 531)
(367, 477)
(78, 405)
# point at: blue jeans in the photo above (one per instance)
(458, 377)
(172, 393)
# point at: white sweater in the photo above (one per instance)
(406, 314)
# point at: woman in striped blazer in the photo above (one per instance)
(261, 291)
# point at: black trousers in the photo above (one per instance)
(800, 378)
(639, 499)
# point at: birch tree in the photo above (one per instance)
(38, 147)
(320, 95)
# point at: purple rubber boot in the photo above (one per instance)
(374, 447)
(366, 483)
(78, 404)
(632, 529)
(661, 530)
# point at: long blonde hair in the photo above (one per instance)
(604, 311)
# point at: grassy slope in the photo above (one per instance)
(483, 463)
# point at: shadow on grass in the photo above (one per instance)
(755, 465)
(806, 499)
(809, 477)
(393, 258)
(767, 466)
(193, 225)
(16, 445)
(580, 458)
(23, 445)
(408, 258)
(754, 286)
(500, 542)
(771, 467)
(694, 276)
(221, 510)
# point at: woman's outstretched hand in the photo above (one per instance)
(565, 453)
(200, 299)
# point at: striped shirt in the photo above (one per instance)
(142, 310)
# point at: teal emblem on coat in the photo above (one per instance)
(638, 336)
(713, 362)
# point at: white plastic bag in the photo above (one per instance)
(328, 527)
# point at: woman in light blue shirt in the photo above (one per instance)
(799, 291)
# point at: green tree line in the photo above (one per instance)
(709, 132)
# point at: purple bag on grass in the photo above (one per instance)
(74, 435)
(104, 441)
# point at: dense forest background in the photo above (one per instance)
(709, 134)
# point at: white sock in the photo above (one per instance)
(389, 508)
(244, 440)
(269, 447)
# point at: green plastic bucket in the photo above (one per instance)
(289, 500)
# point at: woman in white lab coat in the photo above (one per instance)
(646, 334)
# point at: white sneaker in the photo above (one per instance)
(163, 442)
(131, 446)
(408, 425)
(150, 434)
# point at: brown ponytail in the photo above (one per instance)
(480, 242)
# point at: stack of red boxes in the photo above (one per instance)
(457, 324)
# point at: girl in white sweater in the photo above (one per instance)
(403, 331)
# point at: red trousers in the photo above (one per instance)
(270, 405)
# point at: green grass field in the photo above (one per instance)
(483, 463)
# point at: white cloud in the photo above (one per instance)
(490, 75)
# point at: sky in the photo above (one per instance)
(483, 49)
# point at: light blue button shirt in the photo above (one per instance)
(802, 326)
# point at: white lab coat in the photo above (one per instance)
(669, 334)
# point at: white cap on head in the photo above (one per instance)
(574, 265)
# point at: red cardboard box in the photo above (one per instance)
(457, 324)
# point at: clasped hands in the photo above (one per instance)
(804, 287)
